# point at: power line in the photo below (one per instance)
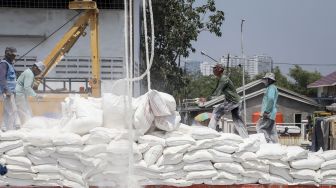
(48, 36)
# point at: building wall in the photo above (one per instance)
(287, 107)
(24, 28)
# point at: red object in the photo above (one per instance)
(278, 117)
(244, 186)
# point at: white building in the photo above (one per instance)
(25, 24)
(206, 68)
(253, 65)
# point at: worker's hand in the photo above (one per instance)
(266, 115)
(6, 94)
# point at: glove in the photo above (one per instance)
(3, 170)
(265, 115)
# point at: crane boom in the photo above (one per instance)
(88, 17)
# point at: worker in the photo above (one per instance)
(266, 123)
(24, 90)
(7, 88)
(231, 103)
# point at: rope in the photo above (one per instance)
(152, 53)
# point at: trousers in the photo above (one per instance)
(268, 128)
(227, 106)
(9, 117)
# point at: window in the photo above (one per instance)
(83, 72)
(105, 72)
(116, 66)
(106, 60)
(106, 66)
(72, 66)
(61, 66)
(72, 72)
(83, 66)
(60, 72)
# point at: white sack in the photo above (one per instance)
(204, 165)
(312, 162)
(19, 168)
(244, 156)
(153, 154)
(39, 138)
(329, 165)
(67, 139)
(227, 175)
(151, 140)
(329, 155)
(197, 156)
(256, 165)
(176, 149)
(21, 151)
(168, 123)
(143, 116)
(41, 160)
(41, 152)
(82, 125)
(220, 157)
(71, 164)
(47, 168)
(11, 135)
(17, 160)
(294, 153)
(305, 174)
(69, 149)
(92, 150)
(201, 174)
(271, 151)
(226, 148)
(180, 140)
(161, 104)
(233, 167)
(282, 172)
(170, 159)
(203, 144)
(202, 132)
(9, 145)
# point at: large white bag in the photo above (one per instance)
(305, 174)
(41, 152)
(312, 162)
(143, 116)
(294, 153)
(152, 140)
(67, 138)
(153, 154)
(233, 167)
(227, 175)
(202, 132)
(204, 165)
(82, 125)
(328, 155)
(271, 151)
(168, 123)
(197, 156)
(17, 160)
(256, 165)
(176, 149)
(170, 159)
(282, 172)
(162, 104)
(9, 145)
(201, 174)
(180, 140)
(329, 165)
(220, 157)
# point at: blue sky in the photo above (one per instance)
(290, 31)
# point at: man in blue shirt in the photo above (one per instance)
(7, 88)
(266, 123)
(24, 89)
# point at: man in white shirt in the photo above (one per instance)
(24, 89)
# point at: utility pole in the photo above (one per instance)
(227, 64)
(243, 56)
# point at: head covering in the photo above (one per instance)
(10, 50)
(218, 66)
(269, 75)
(40, 66)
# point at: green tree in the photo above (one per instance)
(236, 76)
(302, 78)
(177, 24)
(200, 86)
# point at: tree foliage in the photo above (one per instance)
(177, 24)
(301, 80)
(297, 81)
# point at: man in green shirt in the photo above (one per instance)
(24, 90)
(231, 103)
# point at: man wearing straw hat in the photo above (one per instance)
(266, 123)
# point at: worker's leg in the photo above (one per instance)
(274, 134)
(217, 113)
(239, 123)
(9, 114)
(23, 108)
(264, 126)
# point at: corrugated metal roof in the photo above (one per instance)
(329, 80)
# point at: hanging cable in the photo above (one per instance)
(152, 53)
(72, 18)
(146, 41)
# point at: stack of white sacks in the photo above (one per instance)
(196, 155)
(92, 146)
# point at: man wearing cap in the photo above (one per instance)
(24, 89)
(231, 103)
(266, 123)
(7, 88)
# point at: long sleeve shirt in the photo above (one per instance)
(269, 101)
(226, 87)
(25, 83)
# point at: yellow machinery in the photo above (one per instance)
(88, 17)
(51, 104)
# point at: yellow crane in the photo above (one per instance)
(88, 17)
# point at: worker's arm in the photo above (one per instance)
(220, 86)
(3, 78)
(27, 85)
(270, 99)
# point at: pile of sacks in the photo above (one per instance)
(89, 146)
(50, 158)
(196, 155)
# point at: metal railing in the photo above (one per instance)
(67, 85)
(228, 127)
